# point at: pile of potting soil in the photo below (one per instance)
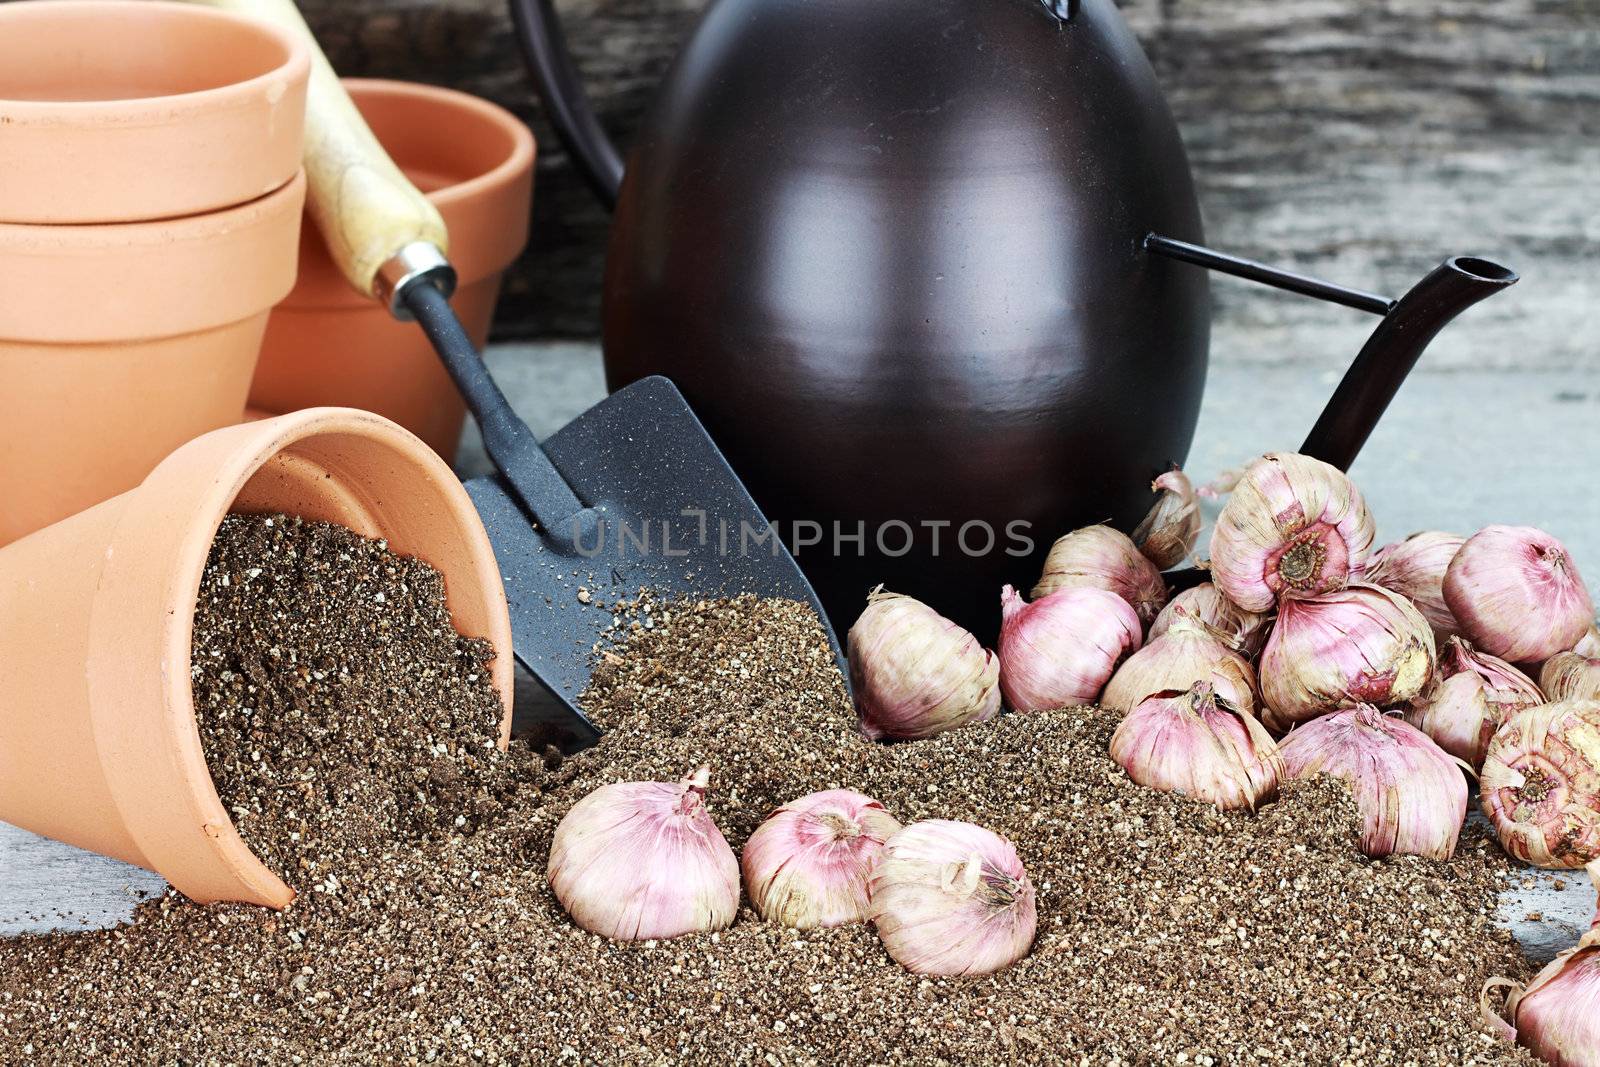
(1168, 932)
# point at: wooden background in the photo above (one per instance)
(1358, 139)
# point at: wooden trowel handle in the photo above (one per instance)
(368, 211)
(390, 241)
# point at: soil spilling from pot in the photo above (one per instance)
(339, 710)
(425, 931)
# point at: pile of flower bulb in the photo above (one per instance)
(1403, 670)
(1422, 653)
(640, 860)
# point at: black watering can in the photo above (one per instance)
(927, 270)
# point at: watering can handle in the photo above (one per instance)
(544, 48)
(549, 62)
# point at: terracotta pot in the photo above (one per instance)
(327, 344)
(98, 742)
(125, 111)
(120, 342)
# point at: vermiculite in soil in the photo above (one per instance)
(352, 732)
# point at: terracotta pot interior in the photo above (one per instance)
(62, 54)
(437, 143)
(331, 478)
(306, 479)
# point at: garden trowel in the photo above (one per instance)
(633, 496)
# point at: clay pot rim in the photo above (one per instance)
(504, 173)
(146, 233)
(250, 447)
(143, 277)
(174, 107)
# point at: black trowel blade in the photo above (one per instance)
(676, 521)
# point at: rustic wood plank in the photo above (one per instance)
(45, 885)
(1362, 139)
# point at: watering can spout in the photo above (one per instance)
(1393, 348)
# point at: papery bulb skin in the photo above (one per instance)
(810, 864)
(1060, 650)
(1574, 675)
(951, 898)
(1194, 743)
(1557, 1017)
(917, 674)
(1189, 651)
(1540, 787)
(1415, 568)
(1098, 557)
(1411, 793)
(1517, 594)
(1357, 645)
(1245, 630)
(639, 860)
(1470, 696)
(1168, 533)
(1293, 526)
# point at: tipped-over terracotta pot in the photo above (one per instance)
(328, 344)
(98, 742)
(118, 343)
(126, 110)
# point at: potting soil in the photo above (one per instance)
(352, 734)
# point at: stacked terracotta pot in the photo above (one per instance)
(150, 219)
(150, 208)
